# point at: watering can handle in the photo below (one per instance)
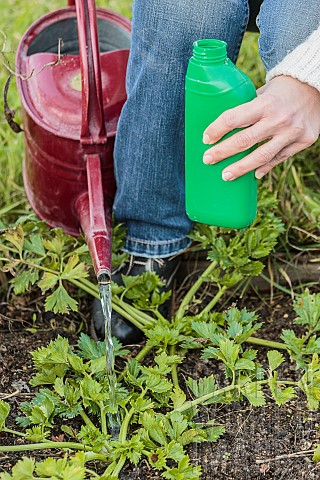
(92, 126)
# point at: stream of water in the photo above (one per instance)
(105, 297)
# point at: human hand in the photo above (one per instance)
(285, 113)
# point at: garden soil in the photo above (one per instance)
(262, 443)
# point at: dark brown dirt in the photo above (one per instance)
(258, 443)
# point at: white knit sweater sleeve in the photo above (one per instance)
(302, 63)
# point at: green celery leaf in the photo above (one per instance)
(42, 414)
(250, 354)
(47, 376)
(174, 451)
(76, 363)
(192, 436)
(235, 329)
(74, 270)
(89, 348)
(119, 350)
(24, 280)
(316, 455)
(158, 458)
(4, 412)
(307, 306)
(60, 301)
(54, 245)
(178, 424)
(158, 384)
(74, 472)
(213, 433)
(245, 364)
(203, 386)
(280, 396)
(91, 390)
(132, 448)
(141, 404)
(249, 331)
(15, 236)
(92, 437)
(252, 391)
(229, 351)
(34, 244)
(275, 359)
(154, 426)
(294, 343)
(36, 434)
(23, 469)
(252, 269)
(178, 397)
(48, 281)
(50, 467)
(55, 353)
(98, 365)
(184, 471)
(204, 329)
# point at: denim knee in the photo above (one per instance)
(283, 26)
(177, 24)
(149, 149)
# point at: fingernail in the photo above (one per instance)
(259, 175)
(207, 159)
(227, 176)
(206, 138)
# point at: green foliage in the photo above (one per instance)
(62, 469)
(73, 377)
(280, 395)
(275, 359)
(253, 392)
(77, 389)
(307, 306)
(35, 254)
(4, 412)
(23, 470)
(316, 456)
(143, 290)
(303, 347)
(202, 387)
(310, 383)
(238, 253)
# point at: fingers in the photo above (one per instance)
(285, 113)
(239, 142)
(261, 157)
(282, 156)
(238, 117)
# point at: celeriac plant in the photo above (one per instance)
(157, 418)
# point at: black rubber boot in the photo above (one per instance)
(122, 329)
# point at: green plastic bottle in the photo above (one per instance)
(214, 84)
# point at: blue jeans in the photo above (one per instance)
(149, 150)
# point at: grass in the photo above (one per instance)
(296, 181)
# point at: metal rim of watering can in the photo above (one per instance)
(36, 29)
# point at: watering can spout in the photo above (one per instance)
(95, 220)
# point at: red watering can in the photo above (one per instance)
(72, 67)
